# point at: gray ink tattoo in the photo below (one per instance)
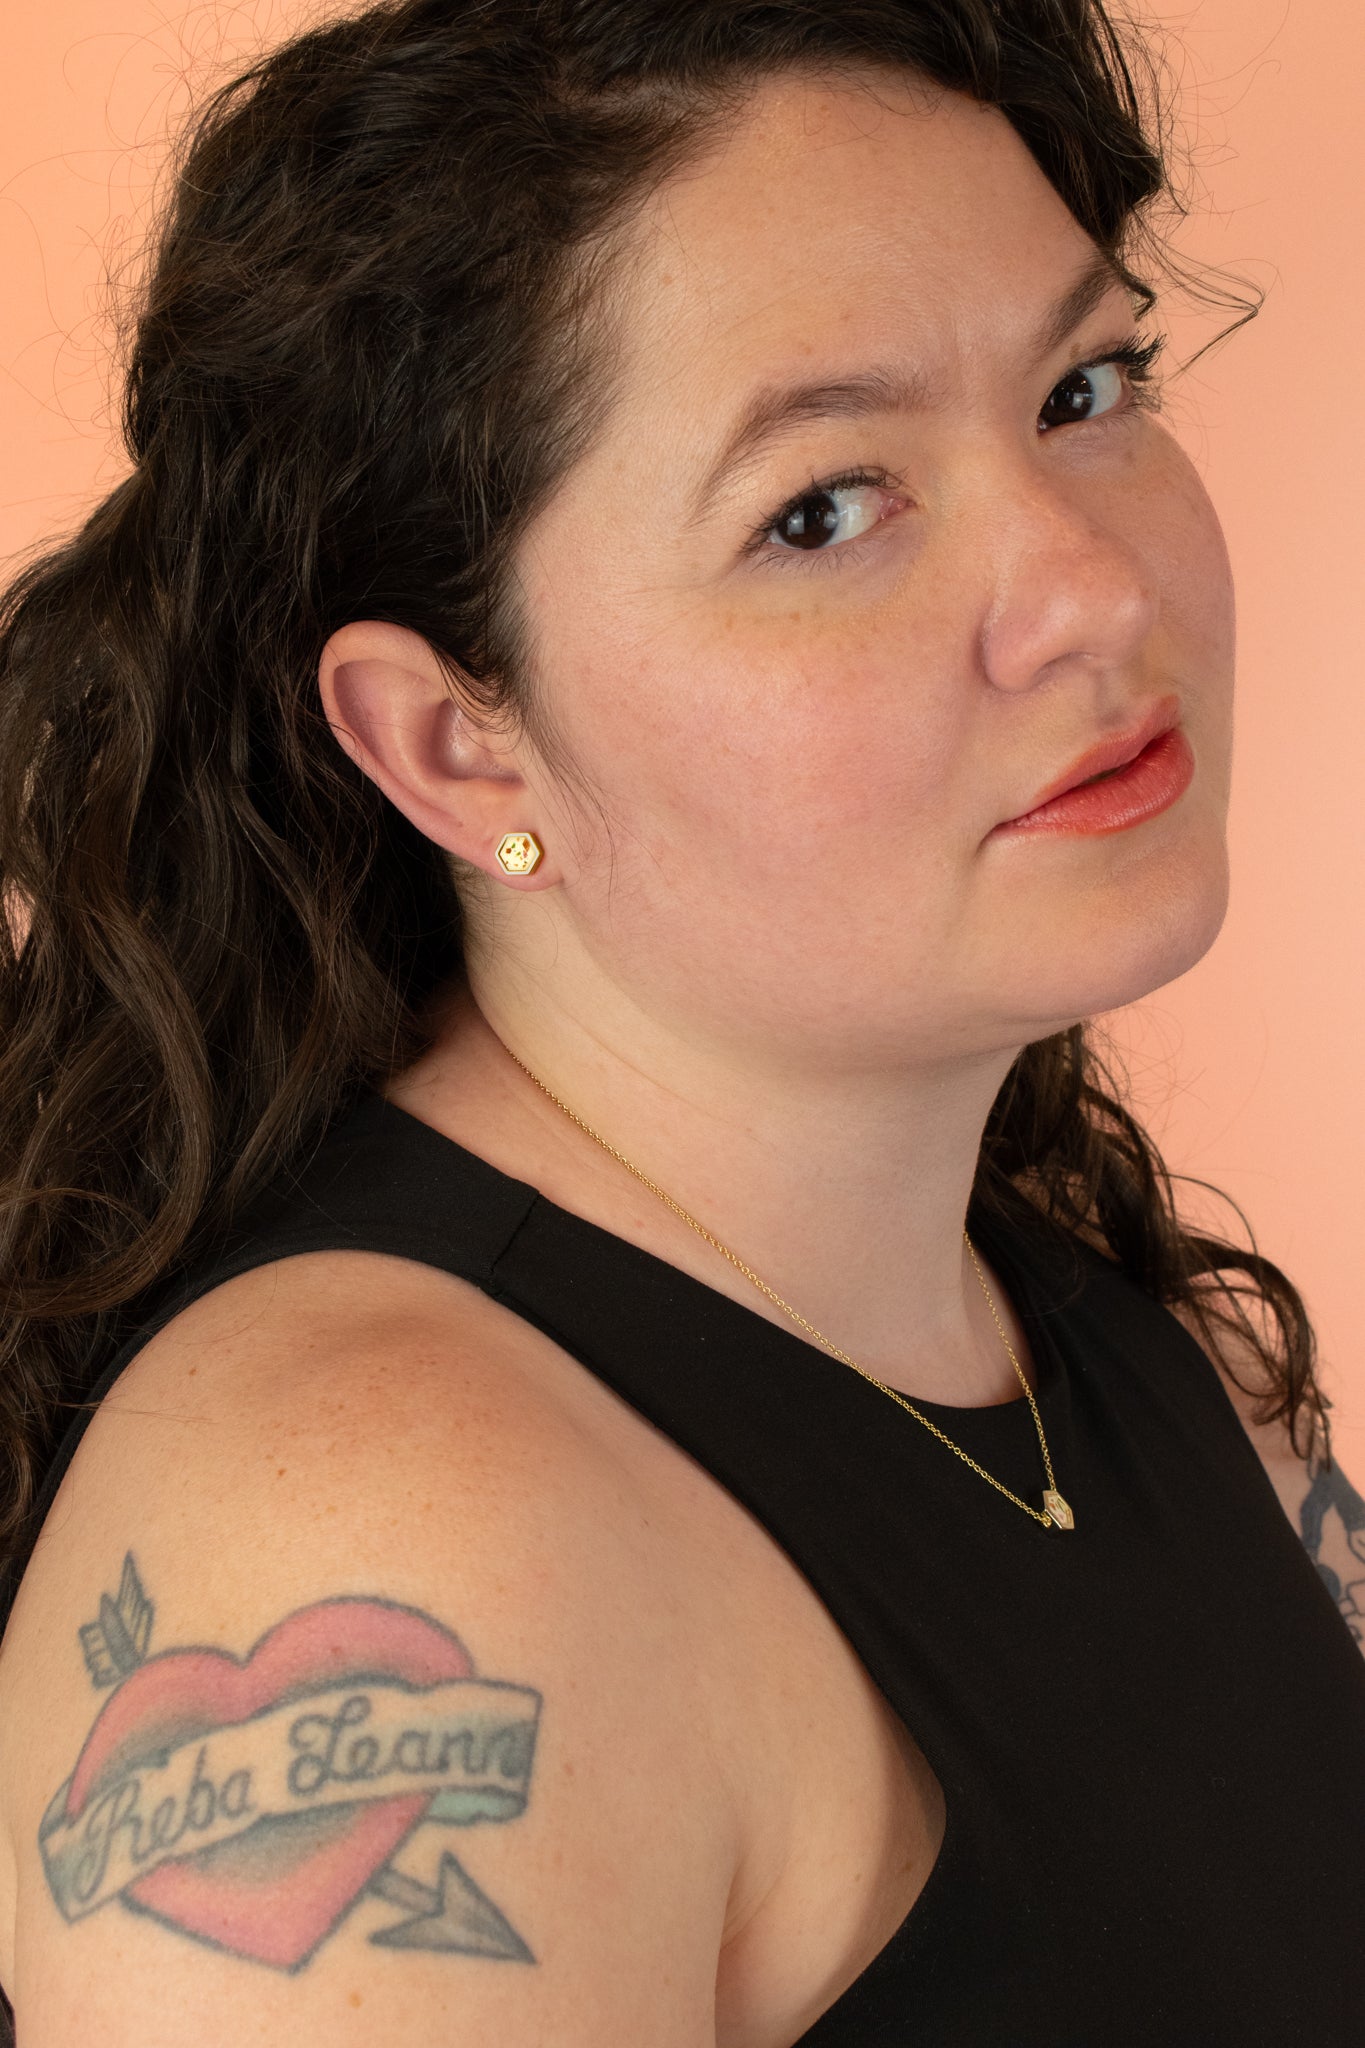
(117, 1643)
(251, 1802)
(1332, 1523)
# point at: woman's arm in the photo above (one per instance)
(1325, 1508)
(342, 1707)
(1331, 1520)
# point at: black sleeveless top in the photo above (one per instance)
(1150, 1731)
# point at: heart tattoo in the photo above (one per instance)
(251, 1801)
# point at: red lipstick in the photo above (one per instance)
(1145, 771)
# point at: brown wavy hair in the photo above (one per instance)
(371, 341)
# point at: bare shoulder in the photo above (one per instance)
(339, 1691)
(1324, 1507)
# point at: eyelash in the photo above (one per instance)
(1136, 356)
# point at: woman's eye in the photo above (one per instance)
(1083, 394)
(830, 513)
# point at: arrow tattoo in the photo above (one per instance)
(117, 1643)
(455, 1915)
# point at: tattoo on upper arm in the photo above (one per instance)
(1332, 1522)
(252, 1802)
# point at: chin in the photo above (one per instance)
(1117, 953)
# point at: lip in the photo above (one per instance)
(1111, 753)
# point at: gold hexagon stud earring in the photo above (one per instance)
(520, 853)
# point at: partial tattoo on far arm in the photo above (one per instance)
(251, 1802)
(1332, 1524)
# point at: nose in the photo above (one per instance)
(1069, 586)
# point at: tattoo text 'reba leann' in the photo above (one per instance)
(252, 1802)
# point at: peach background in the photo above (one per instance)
(1248, 1068)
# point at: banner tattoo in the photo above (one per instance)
(250, 1802)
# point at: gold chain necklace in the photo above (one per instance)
(1055, 1513)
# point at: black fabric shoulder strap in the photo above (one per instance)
(382, 1180)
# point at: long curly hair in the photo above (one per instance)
(368, 347)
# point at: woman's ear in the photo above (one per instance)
(393, 709)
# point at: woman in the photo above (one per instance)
(652, 1460)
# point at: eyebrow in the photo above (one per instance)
(776, 408)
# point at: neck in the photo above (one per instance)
(846, 1192)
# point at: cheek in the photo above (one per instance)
(1179, 535)
(778, 750)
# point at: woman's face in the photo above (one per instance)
(799, 754)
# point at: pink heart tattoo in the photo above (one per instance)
(250, 1801)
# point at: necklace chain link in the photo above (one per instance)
(810, 1329)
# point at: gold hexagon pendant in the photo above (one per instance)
(519, 853)
(1058, 1511)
